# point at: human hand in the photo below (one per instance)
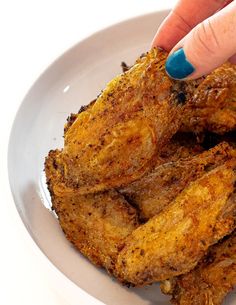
(201, 35)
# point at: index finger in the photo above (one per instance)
(185, 16)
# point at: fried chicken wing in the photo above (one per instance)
(118, 138)
(173, 242)
(213, 106)
(210, 281)
(96, 224)
(153, 192)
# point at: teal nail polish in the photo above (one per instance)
(177, 65)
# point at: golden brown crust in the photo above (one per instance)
(173, 242)
(210, 281)
(118, 139)
(213, 107)
(153, 192)
(96, 224)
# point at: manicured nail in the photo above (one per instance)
(177, 65)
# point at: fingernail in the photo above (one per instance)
(177, 65)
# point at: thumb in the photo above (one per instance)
(207, 46)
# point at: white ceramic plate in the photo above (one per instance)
(70, 82)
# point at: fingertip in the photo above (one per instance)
(170, 32)
(163, 41)
(178, 66)
(207, 46)
(233, 59)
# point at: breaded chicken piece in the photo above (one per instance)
(213, 107)
(210, 281)
(118, 138)
(214, 104)
(153, 192)
(174, 241)
(96, 224)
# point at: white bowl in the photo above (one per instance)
(70, 82)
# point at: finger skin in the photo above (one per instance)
(233, 59)
(212, 42)
(186, 15)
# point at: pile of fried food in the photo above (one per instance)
(145, 185)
